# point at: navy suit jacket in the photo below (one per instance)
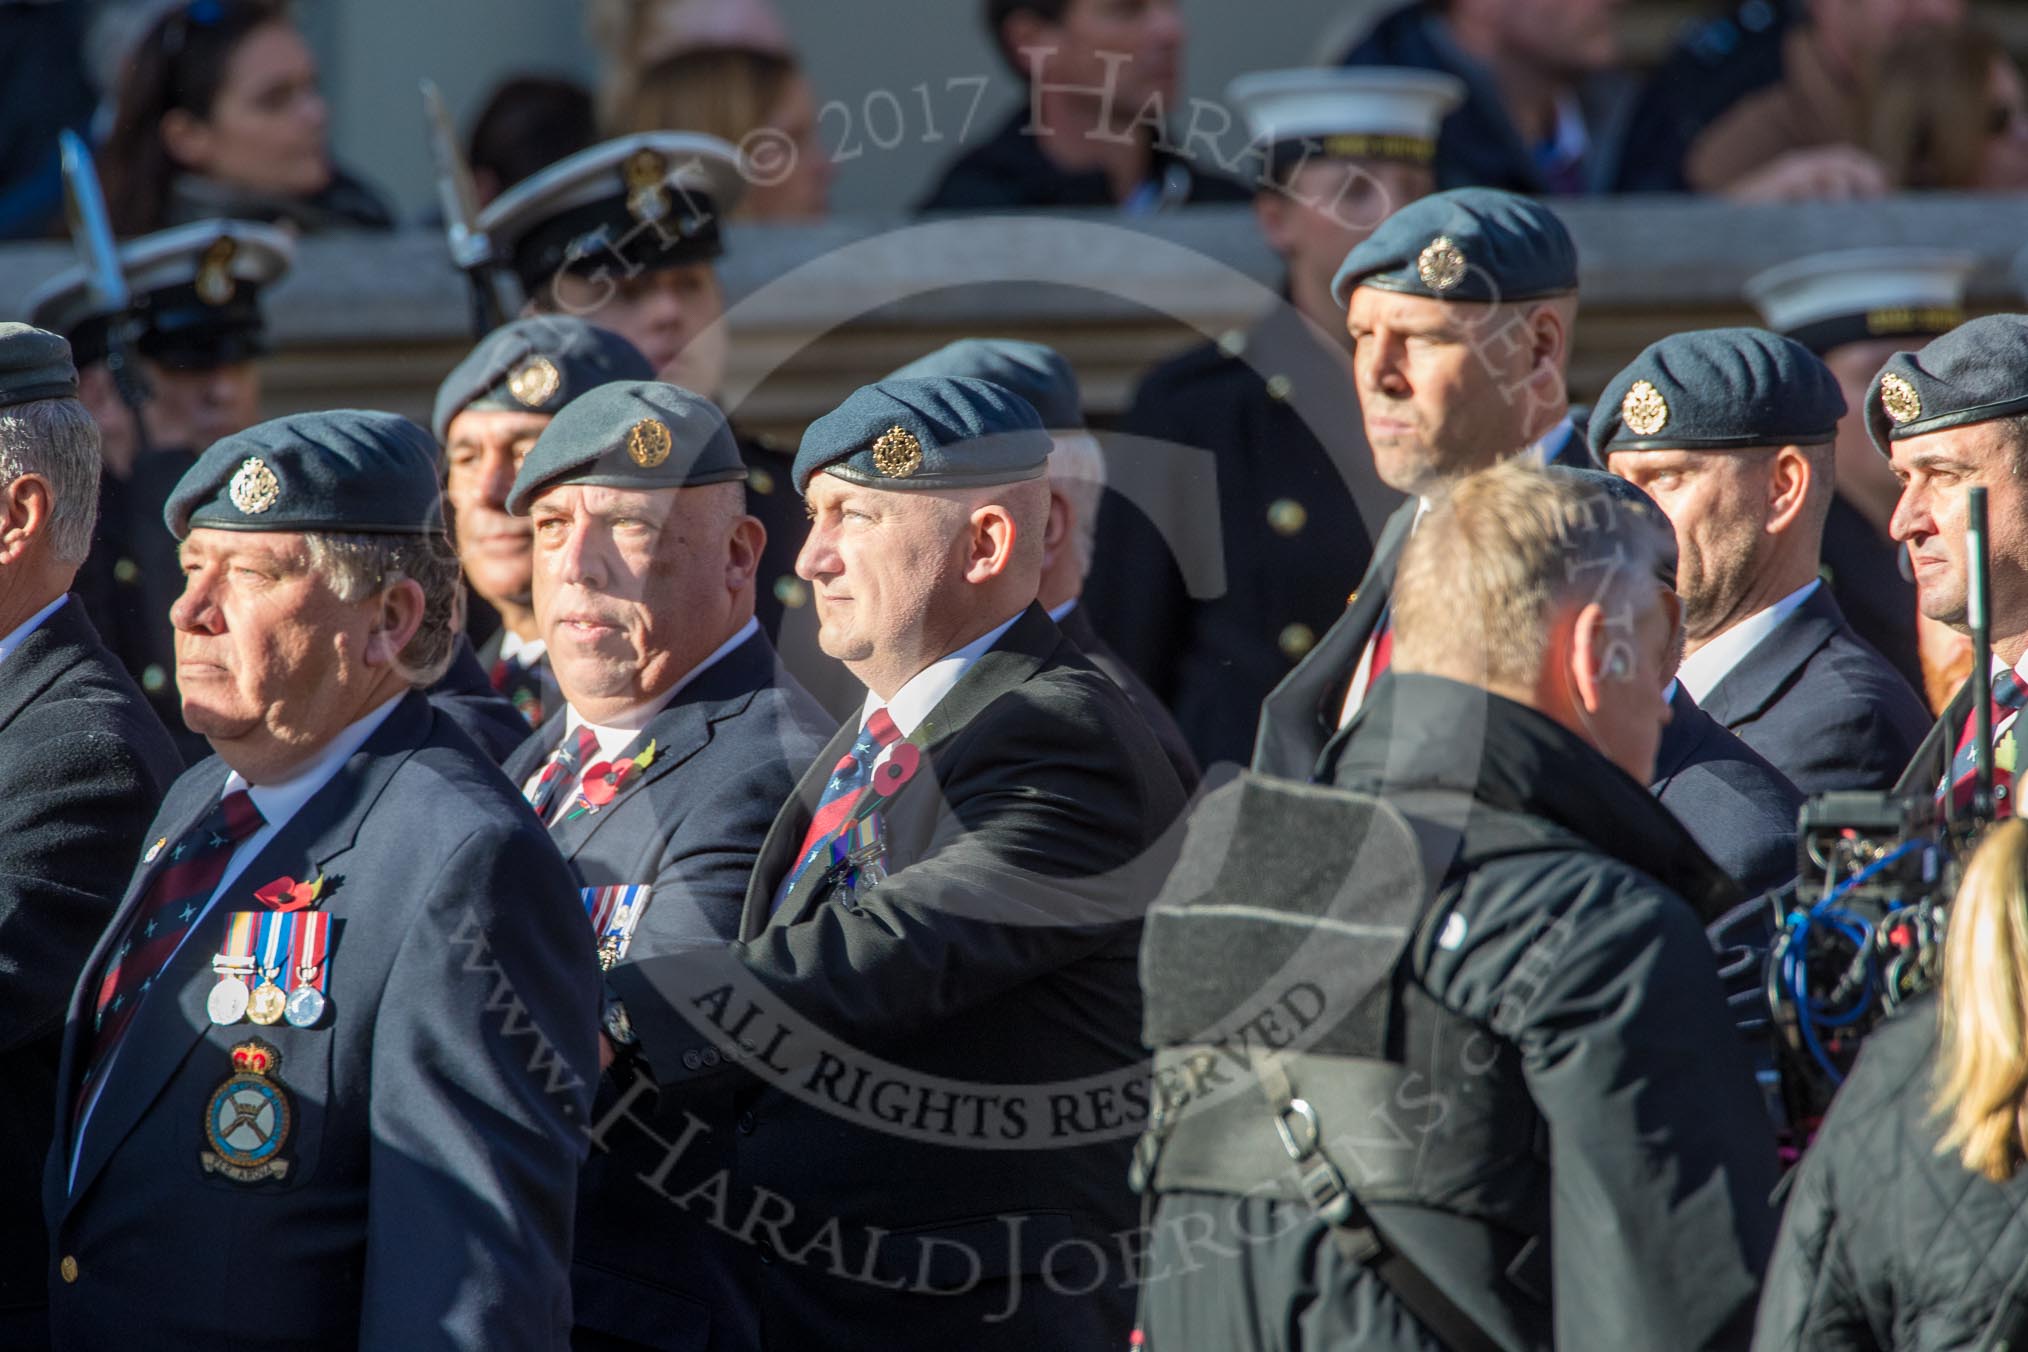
(465, 694)
(1820, 704)
(1077, 628)
(437, 1109)
(728, 750)
(939, 1121)
(87, 763)
(1737, 806)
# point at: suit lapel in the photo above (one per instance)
(44, 656)
(1687, 727)
(529, 756)
(1931, 761)
(1760, 677)
(1361, 620)
(1015, 658)
(173, 1019)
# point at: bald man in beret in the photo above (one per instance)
(679, 736)
(337, 1045)
(932, 1008)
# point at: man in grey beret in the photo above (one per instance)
(943, 925)
(86, 764)
(1948, 417)
(1460, 307)
(340, 1036)
(1077, 484)
(1731, 431)
(678, 739)
(489, 411)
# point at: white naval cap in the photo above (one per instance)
(192, 287)
(649, 200)
(1366, 112)
(1827, 300)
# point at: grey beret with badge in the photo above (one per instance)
(640, 434)
(935, 432)
(34, 364)
(346, 471)
(536, 365)
(1975, 373)
(1037, 373)
(1468, 244)
(1718, 390)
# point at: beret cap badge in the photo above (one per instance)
(1900, 400)
(648, 442)
(535, 382)
(215, 285)
(1644, 410)
(254, 487)
(1442, 265)
(896, 453)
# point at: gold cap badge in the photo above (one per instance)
(645, 172)
(648, 443)
(1442, 264)
(897, 453)
(254, 487)
(215, 284)
(535, 382)
(1644, 410)
(1900, 400)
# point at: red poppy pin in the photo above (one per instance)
(603, 782)
(896, 768)
(286, 894)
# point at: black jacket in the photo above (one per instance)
(1243, 507)
(1863, 569)
(1562, 942)
(1822, 706)
(1011, 171)
(938, 1124)
(86, 766)
(1077, 628)
(1889, 1246)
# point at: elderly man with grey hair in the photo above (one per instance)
(1077, 484)
(86, 763)
(341, 1032)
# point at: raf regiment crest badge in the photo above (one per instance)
(1644, 410)
(1900, 400)
(249, 1118)
(648, 443)
(645, 173)
(896, 453)
(1442, 265)
(215, 284)
(535, 382)
(254, 487)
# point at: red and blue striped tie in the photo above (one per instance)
(848, 780)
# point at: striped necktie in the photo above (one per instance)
(2008, 696)
(175, 898)
(849, 778)
(563, 766)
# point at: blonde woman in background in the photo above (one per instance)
(1908, 1225)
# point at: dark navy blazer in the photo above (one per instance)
(437, 1110)
(1737, 806)
(728, 752)
(1820, 704)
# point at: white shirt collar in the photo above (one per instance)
(926, 689)
(526, 651)
(1059, 612)
(1704, 669)
(29, 626)
(279, 802)
(615, 734)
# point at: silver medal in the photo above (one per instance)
(306, 1006)
(227, 1001)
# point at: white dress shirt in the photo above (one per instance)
(926, 689)
(616, 733)
(1704, 669)
(29, 626)
(522, 651)
(278, 804)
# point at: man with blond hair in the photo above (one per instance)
(1599, 1172)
